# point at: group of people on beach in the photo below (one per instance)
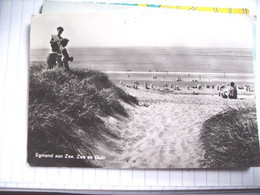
(227, 93)
(59, 55)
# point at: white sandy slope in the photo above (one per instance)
(163, 132)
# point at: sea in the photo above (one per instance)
(163, 65)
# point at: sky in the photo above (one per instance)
(162, 29)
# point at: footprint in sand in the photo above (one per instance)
(172, 151)
(152, 142)
(162, 151)
(160, 134)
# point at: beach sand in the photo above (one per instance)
(163, 131)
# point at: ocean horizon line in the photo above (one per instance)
(153, 47)
(181, 73)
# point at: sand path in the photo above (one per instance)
(166, 133)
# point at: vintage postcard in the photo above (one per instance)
(152, 90)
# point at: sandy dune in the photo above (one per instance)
(163, 132)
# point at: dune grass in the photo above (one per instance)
(230, 139)
(65, 114)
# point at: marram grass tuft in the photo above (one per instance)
(65, 114)
(230, 139)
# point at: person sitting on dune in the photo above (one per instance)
(65, 56)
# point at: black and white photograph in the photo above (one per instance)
(164, 90)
